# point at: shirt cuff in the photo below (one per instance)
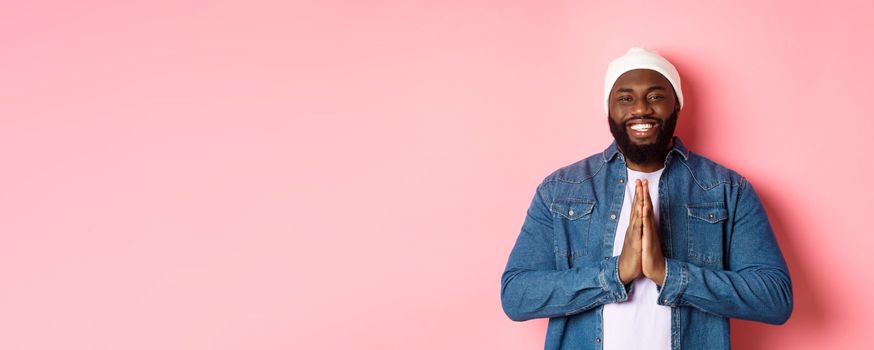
(676, 280)
(611, 282)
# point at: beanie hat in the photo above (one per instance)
(640, 58)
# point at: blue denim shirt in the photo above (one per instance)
(721, 255)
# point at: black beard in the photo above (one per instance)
(643, 154)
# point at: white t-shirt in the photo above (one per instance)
(639, 322)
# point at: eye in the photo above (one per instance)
(624, 98)
(656, 97)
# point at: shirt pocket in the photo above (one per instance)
(706, 227)
(572, 218)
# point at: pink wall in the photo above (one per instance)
(350, 174)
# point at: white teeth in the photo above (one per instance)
(641, 127)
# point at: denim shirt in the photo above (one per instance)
(722, 259)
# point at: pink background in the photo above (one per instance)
(351, 174)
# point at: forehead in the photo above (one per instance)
(641, 78)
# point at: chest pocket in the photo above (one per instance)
(706, 229)
(572, 218)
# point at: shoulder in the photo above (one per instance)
(577, 172)
(709, 174)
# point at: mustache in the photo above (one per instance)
(644, 119)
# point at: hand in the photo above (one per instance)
(653, 261)
(630, 266)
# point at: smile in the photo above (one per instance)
(642, 127)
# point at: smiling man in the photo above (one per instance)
(645, 245)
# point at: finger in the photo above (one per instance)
(647, 239)
(645, 221)
(647, 211)
(633, 231)
(646, 226)
(633, 219)
(650, 223)
(638, 194)
(647, 200)
(650, 234)
(634, 224)
(645, 236)
(642, 202)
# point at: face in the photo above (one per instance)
(643, 113)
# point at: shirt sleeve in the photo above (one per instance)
(532, 286)
(756, 285)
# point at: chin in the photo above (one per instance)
(651, 141)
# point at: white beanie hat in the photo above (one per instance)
(640, 58)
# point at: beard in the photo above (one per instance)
(642, 154)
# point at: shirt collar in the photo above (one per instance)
(678, 148)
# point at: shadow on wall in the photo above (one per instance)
(808, 315)
(687, 128)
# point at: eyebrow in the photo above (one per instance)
(651, 88)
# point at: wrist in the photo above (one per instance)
(658, 276)
(627, 272)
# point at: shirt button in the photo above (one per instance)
(710, 216)
(612, 216)
(598, 340)
(570, 212)
(665, 301)
(621, 180)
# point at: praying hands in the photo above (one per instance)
(642, 250)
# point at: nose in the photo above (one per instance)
(641, 108)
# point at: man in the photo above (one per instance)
(645, 245)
